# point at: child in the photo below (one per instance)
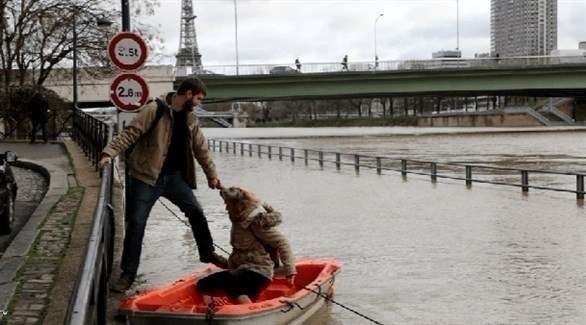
(257, 247)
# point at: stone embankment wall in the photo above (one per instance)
(492, 119)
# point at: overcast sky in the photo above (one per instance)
(278, 31)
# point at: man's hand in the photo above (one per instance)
(105, 160)
(214, 183)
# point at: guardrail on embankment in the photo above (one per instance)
(404, 166)
(88, 304)
(91, 134)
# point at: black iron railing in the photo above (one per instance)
(89, 302)
(405, 166)
(91, 134)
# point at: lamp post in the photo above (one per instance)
(375, 49)
(101, 22)
(74, 62)
(236, 34)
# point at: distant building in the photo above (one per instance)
(523, 28)
(446, 54)
(446, 59)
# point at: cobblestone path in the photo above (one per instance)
(37, 276)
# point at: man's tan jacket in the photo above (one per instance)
(147, 158)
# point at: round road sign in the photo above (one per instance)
(129, 92)
(127, 51)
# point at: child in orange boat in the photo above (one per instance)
(257, 248)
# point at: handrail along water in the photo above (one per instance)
(88, 305)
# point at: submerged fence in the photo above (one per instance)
(89, 302)
(435, 170)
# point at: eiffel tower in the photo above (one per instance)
(188, 56)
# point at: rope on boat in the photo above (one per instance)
(188, 225)
(328, 298)
(210, 315)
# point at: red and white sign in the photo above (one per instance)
(129, 92)
(128, 51)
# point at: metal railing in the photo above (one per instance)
(395, 65)
(91, 134)
(88, 305)
(432, 169)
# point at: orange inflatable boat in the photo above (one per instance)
(279, 303)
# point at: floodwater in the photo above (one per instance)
(413, 252)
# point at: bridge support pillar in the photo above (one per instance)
(580, 109)
(240, 119)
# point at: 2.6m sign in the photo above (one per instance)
(129, 92)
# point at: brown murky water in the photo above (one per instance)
(413, 252)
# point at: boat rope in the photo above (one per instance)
(329, 298)
(185, 222)
(210, 315)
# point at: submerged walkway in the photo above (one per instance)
(39, 266)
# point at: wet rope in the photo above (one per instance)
(325, 296)
(188, 225)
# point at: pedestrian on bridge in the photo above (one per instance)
(298, 64)
(345, 63)
(167, 141)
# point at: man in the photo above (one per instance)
(39, 114)
(162, 164)
(345, 63)
(298, 64)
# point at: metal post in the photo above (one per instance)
(379, 169)
(234, 147)
(338, 160)
(468, 175)
(270, 152)
(236, 35)
(74, 70)
(580, 187)
(305, 155)
(375, 49)
(403, 167)
(242, 149)
(125, 16)
(227, 147)
(292, 154)
(525, 181)
(357, 163)
(250, 149)
(321, 159)
(433, 172)
(220, 142)
(259, 147)
(280, 153)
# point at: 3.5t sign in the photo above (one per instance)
(127, 51)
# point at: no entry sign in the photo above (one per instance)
(129, 92)
(127, 51)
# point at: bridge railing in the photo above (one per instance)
(393, 65)
(88, 305)
(470, 173)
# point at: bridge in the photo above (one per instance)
(523, 76)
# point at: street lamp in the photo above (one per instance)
(101, 22)
(236, 34)
(375, 50)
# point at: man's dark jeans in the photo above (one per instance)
(141, 198)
